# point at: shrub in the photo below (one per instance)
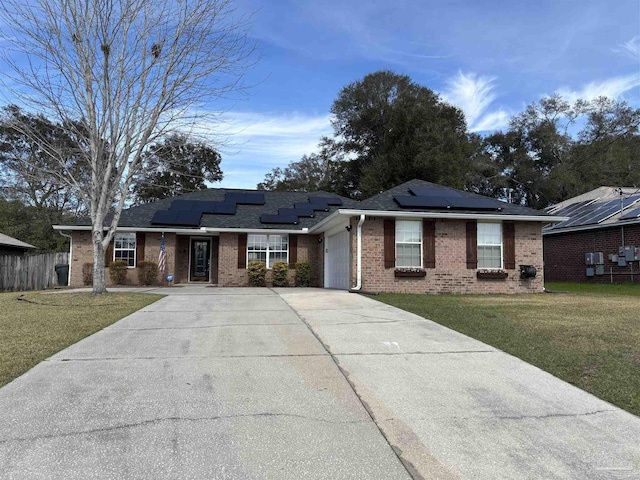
(147, 273)
(87, 273)
(279, 272)
(118, 272)
(303, 274)
(257, 272)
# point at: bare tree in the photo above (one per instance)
(127, 72)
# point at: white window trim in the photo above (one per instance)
(135, 248)
(267, 250)
(409, 243)
(478, 244)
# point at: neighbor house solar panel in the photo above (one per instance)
(434, 192)
(289, 219)
(634, 213)
(569, 209)
(609, 209)
(579, 215)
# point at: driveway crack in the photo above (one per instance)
(157, 421)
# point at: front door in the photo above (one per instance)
(200, 260)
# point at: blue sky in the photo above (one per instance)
(490, 58)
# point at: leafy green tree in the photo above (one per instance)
(33, 225)
(175, 166)
(317, 171)
(394, 130)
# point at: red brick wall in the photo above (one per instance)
(564, 255)
(451, 274)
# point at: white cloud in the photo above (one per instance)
(258, 142)
(630, 49)
(474, 94)
(612, 88)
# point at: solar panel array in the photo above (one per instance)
(635, 213)
(188, 213)
(446, 199)
(592, 212)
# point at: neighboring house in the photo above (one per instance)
(604, 222)
(13, 246)
(417, 237)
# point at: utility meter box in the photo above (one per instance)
(599, 269)
(591, 271)
(589, 259)
(598, 258)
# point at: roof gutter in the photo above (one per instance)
(598, 226)
(185, 231)
(359, 256)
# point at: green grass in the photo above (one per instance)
(589, 340)
(596, 288)
(34, 326)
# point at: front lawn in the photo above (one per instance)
(35, 325)
(597, 288)
(589, 340)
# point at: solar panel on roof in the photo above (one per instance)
(189, 219)
(303, 210)
(579, 215)
(609, 209)
(289, 219)
(244, 198)
(222, 208)
(318, 207)
(296, 212)
(634, 213)
(164, 217)
(570, 209)
(408, 201)
(434, 192)
(184, 205)
(471, 203)
(327, 200)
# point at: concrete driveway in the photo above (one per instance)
(300, 383)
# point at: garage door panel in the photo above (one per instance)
(337, 260)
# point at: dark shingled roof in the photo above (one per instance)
(385, 202)
(246, 217)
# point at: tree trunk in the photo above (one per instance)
(99, 283)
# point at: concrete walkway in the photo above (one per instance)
(255, 383)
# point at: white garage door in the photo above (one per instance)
(337, 261)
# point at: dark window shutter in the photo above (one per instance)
(509, 245)
(389, 243)
(429, 243)
(472, 244)
(293, 250)
(108, 255)
(140, 238)
(242, 250)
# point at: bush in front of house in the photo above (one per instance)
(147, 273)
(279, 272)
(87, 273)
(257, 272)
(303, 274)
(118, 272)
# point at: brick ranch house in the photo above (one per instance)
(418, 237)
(604, 222)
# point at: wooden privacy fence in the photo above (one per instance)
(36, 272)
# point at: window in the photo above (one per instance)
(268, 248)
(124, 248)
(489, 245)
(408, 243)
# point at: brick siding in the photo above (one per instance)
(451, 274)
(564, 255)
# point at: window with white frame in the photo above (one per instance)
(268, 248)
(124, 248)
(489, 245)
(408, 243)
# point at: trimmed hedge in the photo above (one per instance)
(147, 273)
(257, 271)
(303, 274)
(118, 272)
(279, 272)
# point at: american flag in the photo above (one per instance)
(162, 257)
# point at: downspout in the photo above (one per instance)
(70, 252)
(359, 255)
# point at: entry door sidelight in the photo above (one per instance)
(200, 260)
